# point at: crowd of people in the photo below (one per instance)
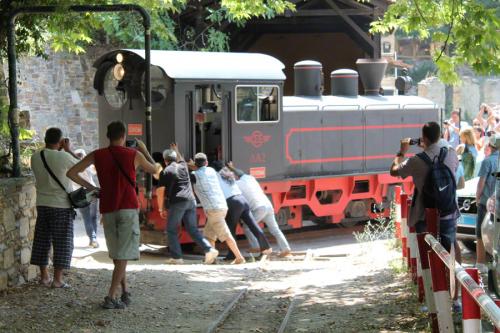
(466, 152)
(478, 155)
(227, 195)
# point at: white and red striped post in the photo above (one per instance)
(471, 311)
(397, 211)
(440, 290)
(404, 224)
(424, 249)
(441, 293)
(431, 219)
(497, 302)
(407, 231)
(412, 240)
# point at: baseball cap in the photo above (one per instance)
(494, 140)
(169, 154)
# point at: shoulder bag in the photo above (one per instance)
(78, 198)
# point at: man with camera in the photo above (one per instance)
(435, 150)
(54, 222)
(116, 170)
(418, 169)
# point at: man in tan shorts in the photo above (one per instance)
(207, 188)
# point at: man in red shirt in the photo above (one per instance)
(116, 170)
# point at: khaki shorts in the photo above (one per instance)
(121, 230)
(216, 227)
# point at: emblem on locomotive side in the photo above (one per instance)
(257, 139)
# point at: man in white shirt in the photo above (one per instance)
(90, 214)
(207, 188)
(54, 223)
(262, 210)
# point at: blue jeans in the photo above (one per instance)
(177, 213)
(481, 213)
(447, 231)
(266, 214)
(89, 215)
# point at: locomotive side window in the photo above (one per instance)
(257, 104)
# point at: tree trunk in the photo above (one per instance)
(4, 91)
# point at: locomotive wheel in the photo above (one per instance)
(283, 216)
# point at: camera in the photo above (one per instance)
(446, 122)
(414, 142)
(490, 133)
(131, 143)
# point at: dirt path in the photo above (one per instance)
(353, 291)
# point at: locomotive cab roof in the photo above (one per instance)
(186, 65)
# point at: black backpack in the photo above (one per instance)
(440, 188)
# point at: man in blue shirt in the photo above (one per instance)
(485, 189)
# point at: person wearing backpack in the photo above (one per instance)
(436, 188)
(433, 172)
(485, 189)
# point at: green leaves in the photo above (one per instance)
(466, 31)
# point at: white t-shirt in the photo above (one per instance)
(48, 192)
(253, 192)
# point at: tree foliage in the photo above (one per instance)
(72, 32)
(466, 31)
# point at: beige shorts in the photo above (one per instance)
(122, 233)
(216, 227)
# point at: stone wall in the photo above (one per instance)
(468, 95)
(58, 91)
(17, 228)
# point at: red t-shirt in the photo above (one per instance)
(116, 191)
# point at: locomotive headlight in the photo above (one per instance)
(118, 72)
(119, 58)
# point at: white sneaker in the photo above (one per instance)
(210, 256)
(483, 269)
(173, 261)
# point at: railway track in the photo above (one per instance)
(265, 311)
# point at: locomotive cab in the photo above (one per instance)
(227, 105)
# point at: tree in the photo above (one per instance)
(467, 31)
(66, 31)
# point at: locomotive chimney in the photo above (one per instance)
(344, 82)
(308, 78)
(371, 72)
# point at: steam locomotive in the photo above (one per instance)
(320, 158)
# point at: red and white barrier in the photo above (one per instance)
(407, 230)
(471, 287)
(441, 293)
(497, 302)
(471, 312)
(427, 280)
(412, 240)
(397, 211)
(404, 225)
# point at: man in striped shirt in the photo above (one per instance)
(207, 188)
